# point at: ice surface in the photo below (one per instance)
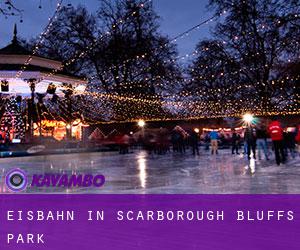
(141, 173)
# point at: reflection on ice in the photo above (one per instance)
(171, 173)
(252, 165)
(141, 159)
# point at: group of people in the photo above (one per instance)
(254, 139)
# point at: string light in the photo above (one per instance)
(40, 39)
(185, 105)
(95, 43)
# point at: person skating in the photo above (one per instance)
(290, 143)
(235, 139)
(261, 136)
(214, 141)
(276, 134)
(250, 139)
(194, 140)
(207, 141)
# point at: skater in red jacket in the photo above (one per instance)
(276, 134)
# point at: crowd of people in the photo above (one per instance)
(284, 142)
(254, 140)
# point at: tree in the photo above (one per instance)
(70, 35)
(121, 48)
(12, 120)
(8, 8)
(213, 77)
(136, 56)
(250, 44)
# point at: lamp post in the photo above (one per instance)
(141, 124)
(248, 118)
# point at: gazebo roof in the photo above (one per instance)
(14, 48)
(14, 55)
(13, 59)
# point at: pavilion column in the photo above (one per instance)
(31, 106)
(39, 110)
(69, 125)
(68, 97)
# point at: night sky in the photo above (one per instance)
(176, 17)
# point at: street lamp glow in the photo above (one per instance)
(141, 123)
(197, 130)
(248, 118)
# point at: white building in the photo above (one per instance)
(24, 75)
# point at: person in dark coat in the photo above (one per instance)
(235, 139)
(194, 140)
(261, 136)
(250, 139)
(290, 143)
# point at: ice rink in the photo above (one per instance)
(141, 173)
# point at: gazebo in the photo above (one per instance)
(25, 78)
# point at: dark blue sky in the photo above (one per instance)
(176, 17)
